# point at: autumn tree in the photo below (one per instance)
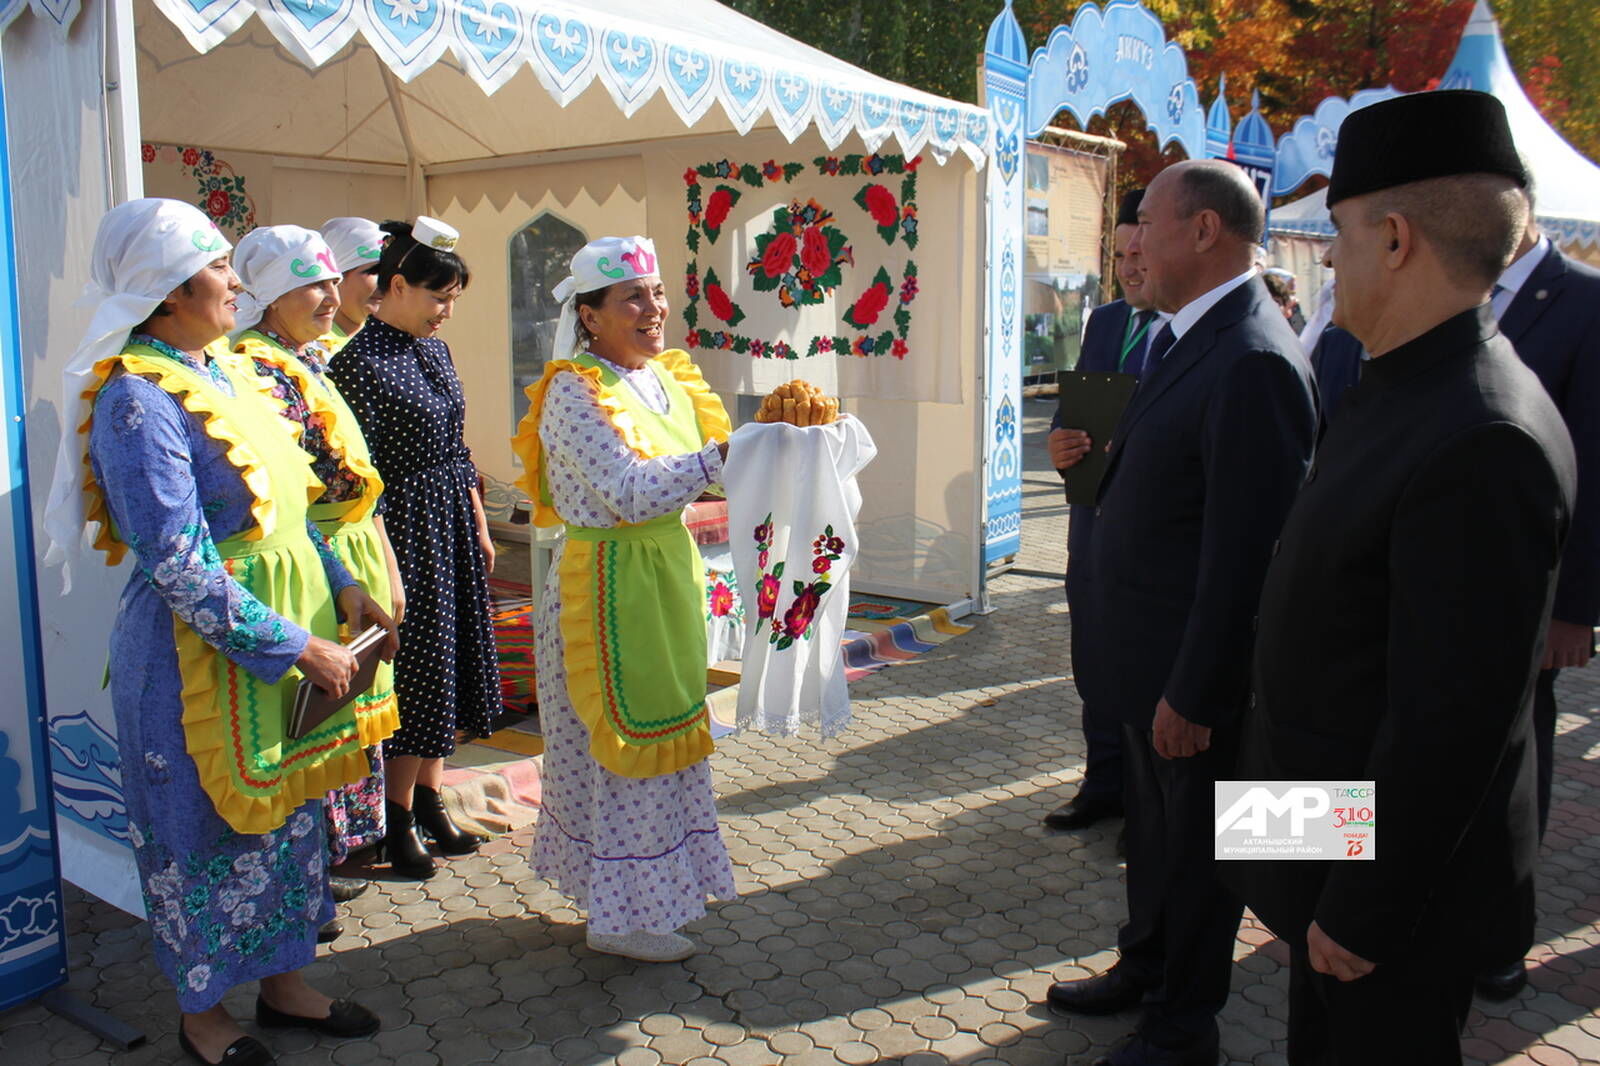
(1295, 52)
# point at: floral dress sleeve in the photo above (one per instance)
(581, 442)
(143, 462)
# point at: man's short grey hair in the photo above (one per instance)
(1224, 188)
(1473, 221)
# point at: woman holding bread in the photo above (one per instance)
(621, 434)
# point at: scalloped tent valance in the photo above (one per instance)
(690, 54)
(59, 13)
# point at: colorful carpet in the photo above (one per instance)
(512, 614)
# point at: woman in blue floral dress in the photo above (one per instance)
(193, 473)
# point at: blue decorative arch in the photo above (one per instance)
(1121, 53)
(1308, 148)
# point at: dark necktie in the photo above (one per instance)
(1158, 348)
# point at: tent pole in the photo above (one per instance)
(122, 104)
(416, 199)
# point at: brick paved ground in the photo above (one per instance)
(899, 903)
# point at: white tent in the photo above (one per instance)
(1567, 184)
(526, 124)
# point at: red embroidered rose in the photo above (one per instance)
(881, 206)
(871, 305)
(835, 545)
(721, 600)
(778, 259)
(767, 596)
(147, 152)
(692, 339)
(821, 564)
(219, 203)
(797, 619)
(690, 177)
(814, 255)
(719, 303)
(717, 208)
(898, 349)
(191, 156)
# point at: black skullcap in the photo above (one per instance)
(1421, 136)
(1128, 210)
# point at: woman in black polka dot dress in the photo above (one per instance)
(398, 378)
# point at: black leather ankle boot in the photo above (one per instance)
(428, 806)
(407, 855)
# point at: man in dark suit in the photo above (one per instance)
(1403, 617)
(1336, 362)
(1204, 464)
(1116, 340)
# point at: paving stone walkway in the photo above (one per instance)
(899, 902)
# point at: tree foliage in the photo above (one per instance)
(1295, 52)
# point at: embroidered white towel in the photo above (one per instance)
(792, 506)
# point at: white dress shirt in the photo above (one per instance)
(1517, 274)
(1186, 316)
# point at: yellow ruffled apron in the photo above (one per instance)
(233, 722)
(347, 525)
(632, 596)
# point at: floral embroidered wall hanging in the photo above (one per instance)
(219, 191)
(801, 258)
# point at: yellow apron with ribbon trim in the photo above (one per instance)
(632, 596)
(347, 524)
(233, 722)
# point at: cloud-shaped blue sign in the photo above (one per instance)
(1308, 148)
(1121, 53)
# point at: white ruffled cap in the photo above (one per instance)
(602, 262)
(274, 260)
(143, 250)
(356, 242)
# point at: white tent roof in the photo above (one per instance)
(432, 81)
(1567, 185)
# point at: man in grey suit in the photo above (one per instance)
(1204, 464)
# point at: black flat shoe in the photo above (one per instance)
(1107, 994)
(407, 855)
(427, 807)
(245, 1051)
(346, 1018)
(1497, 986)
(345, 889)
(1081, 812)
(330, 932)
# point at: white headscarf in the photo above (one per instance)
(602, 262)
(144, 249)
(356, 242)
(274, 260)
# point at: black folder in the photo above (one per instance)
(313, 705)
(1092, 401)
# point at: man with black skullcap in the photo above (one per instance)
(1116, 340)
(1403, 616)
(1203, 466)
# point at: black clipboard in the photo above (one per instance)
(313, 706)
(1092, 401)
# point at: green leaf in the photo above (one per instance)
(799, 587)
(691, 314)
(777, 571)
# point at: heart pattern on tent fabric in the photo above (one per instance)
(913, 118)
(405, 23)
(978, 129)
(946, 125)
(313, 13)
(630, 59)
(792, 93)
(562, 45)
(743, 84)
(490, 31)
(877, 109)
(837, 107)
(689, 70)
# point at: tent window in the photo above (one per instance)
(537, 258)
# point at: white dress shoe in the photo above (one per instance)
(646, 947)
